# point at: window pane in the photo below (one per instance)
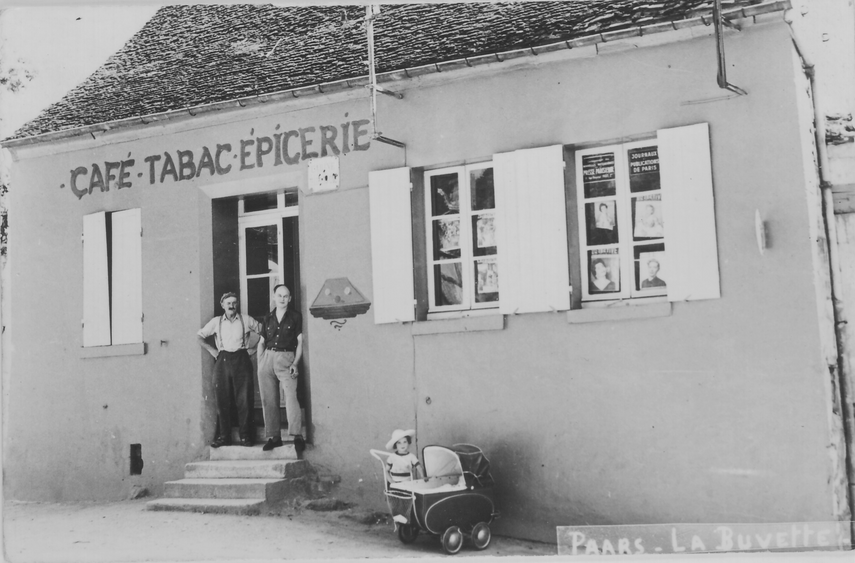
(290, 199)
(445, 194)
(643, 169)
(260, 202)
(481, 186)
(448, 284)
(647, 217)
(446, 238)
(651, 268)
(598, 173)
(603, 271)
(483, 235)
(600, 221)
(262, 250)
(486, 281)
(258, 298)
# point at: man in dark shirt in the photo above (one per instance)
(279, 352)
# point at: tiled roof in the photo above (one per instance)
(192, 55)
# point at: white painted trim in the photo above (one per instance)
(137, 349)
(250, 186)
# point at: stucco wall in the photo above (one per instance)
(714, 414)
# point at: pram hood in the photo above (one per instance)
(459, 459)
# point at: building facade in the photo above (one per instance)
(586, 258)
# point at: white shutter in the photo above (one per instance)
(688, 210)
(531, 228)
(391, 245)
(96, 286)
(127, 277)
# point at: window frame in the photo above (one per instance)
(469, 304)
(622, 214)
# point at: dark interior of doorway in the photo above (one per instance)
(226, 263)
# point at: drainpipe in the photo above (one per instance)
(846, 398)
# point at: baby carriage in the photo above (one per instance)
(454, 500)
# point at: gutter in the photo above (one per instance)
(404, 74)
(842, 371)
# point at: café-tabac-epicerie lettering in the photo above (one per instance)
(281, 148)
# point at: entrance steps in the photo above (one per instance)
(242, 480)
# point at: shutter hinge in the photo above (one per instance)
(142, 318)
(82, 324)
(411, 186)
(82, 238)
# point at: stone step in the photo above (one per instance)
(247, 469)
(263, 489)
(256, 452)
(244, 507)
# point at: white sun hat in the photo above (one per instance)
(397, 435)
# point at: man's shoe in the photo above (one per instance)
(246, 442)
(299, 444)
(219, 441)
(272, 443)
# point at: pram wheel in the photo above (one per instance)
(408, 533)
(452, 540)
(481, 535)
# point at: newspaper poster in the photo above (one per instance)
(651, 271)
(604, 271)
(647, 211)
(598, 174)
(601, 223)
(643, 169)
(445, 196)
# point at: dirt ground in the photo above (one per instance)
(125, 531)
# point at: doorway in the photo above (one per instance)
(269, 254)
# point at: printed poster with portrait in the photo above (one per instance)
(647, 213)
(598, 174)
(603, 271)
(652, 272)
(643, 169)
(601, 222)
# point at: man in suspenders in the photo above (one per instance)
(233, 369)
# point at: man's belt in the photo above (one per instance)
(280, 349)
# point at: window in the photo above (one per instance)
(112, 278)
(646, 219)
(487, 236)
(622, 235)
(462, 256)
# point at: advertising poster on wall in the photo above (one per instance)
(598, 172)
(643, 169)
(604, 271)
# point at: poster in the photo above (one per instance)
(485, 231)
(601, 222)
(598, 174)
(651, 270)
(648, 217)
(448, 235)
(603, 271)
(643, 169)
(487, 280)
